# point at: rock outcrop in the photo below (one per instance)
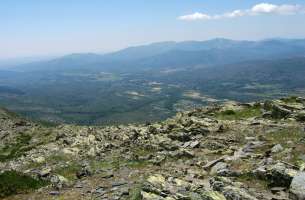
(226, 152)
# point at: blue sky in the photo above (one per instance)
(57, 27)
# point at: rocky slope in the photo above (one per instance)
(232, 151)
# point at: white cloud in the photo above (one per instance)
(235, 13)
(265, 8)
(195, 16)
(259, 9)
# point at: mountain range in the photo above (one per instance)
(152, 82)
(177, 54)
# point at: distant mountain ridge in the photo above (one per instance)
(177, 54)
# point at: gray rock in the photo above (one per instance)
(251, 146)
(297, 187)
(192, 144)
(211, 195)
(300, 99)
(85, 171)
(279, 112)
(58, 181)
(118, 184)
(78, 185)
(235, 193)
(277, 189)
(218, 168)
(54, 193)
(182, 154)
(180, 136)
(279, 175)
(246, 151)
(157, 160)
(250, 138)
(267, 114)
(214, 162)
(199, 131)
(277, 148)
(44, 172)
(229, 190)
(99, 190)
(155, 184)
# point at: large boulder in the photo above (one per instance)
(230, 190)
(237, 193)
(58, 181)
(277, 148)
(157, 180)
(297, 187)
(278, 112)
(279, 175)
(219, 167)
(154, 187)
(300, 99)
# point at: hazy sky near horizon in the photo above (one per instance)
(56, 27)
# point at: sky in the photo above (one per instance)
(57, 27)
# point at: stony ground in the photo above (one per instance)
(232, 151)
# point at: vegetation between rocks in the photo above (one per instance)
(12, 182)
(239, 114)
